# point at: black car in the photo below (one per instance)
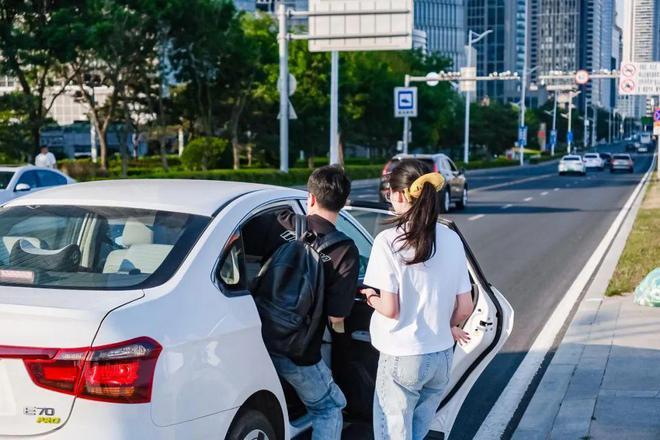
(607, 159)
(630, 146)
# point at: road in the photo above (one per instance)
(532, 231)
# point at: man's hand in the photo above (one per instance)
(460, 335)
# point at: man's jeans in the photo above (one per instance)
(320, 394)
(408, 393)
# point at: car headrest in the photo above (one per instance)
(136, 232)
(25, 255)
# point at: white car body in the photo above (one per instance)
(13, 176)
(593, 160)
(643, 148)
(210, 365)
(572, 164)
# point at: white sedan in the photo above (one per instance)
(593, 160)
(18, 181)
(125, 313)
(572, 164)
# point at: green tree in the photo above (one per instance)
(36, 40)
(493, 126)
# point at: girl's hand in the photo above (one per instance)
(460, 335)
(368, 292)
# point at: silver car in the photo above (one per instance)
(455, 190)
(16, 181)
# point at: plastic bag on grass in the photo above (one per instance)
(648, 291)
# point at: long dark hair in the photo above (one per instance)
(419, 222)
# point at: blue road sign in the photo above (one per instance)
(405, 102)
(569, 136)
(553, 137)
(522, 136)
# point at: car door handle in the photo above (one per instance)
(485, 324)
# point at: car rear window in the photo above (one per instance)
(621, 157)
(95, 248)
(591, 156)
(569, 158)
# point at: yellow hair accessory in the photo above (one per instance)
(415, 190)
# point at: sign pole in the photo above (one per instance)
(524, 81)
(334, 108)
(406, 121)
(569, 134)
(284, 88)
(554, 126)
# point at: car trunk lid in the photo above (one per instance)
(35, 324)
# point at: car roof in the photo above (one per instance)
(14, 168)
(200, 197)
(419, 156)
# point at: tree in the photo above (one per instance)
(494, 126)
(37, 38)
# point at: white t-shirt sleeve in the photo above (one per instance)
(381, 270)
(464, 284)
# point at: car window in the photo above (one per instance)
(452, 166)
(571, 158)
(363, 243)
(48, 178)
(621, 156)
(5, 178)
(231, 272)
(93, 248)
(30, 178)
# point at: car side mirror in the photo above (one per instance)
(22, 187)
(461, 171)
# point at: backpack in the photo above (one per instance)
(289, 291)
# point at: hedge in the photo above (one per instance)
(296, 176)
(483, 164)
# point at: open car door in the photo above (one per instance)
(489, 325)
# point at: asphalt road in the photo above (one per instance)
(532, 231)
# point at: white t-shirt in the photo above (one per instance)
(45, 160)
(427, 293)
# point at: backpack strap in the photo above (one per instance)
(300, 225)
(329, 240)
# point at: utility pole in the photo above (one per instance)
(284, 88)
(334, 108)
(524, 82)
(569, 134)
(554, 126)
(406, 120)
(470, 62)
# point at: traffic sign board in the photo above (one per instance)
(582, 77)
(468, 86)
(293, 84)
(522, 136)
(569, 136)
(432, 79)
(405, 102)
(640, 79)
(553, 137)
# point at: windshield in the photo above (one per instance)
(93, 247)
(570, 158)
(591, 156)
(5, 177)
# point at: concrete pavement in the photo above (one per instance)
(604, 381)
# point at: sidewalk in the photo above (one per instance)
(604, 380)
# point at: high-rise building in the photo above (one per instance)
(558, 31)
(444, 24)
(596, 46)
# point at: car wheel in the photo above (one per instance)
(461, 204)
(445, 200)
(251, 425)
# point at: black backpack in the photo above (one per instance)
(289, 291)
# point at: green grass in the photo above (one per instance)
(642, 251)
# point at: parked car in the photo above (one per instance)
(22, 180)
(131, 317)
(607, 159)
(622, 162)
(593, 160)
(572, 163)
(455, 190)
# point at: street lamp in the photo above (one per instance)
(473, 37)
(524, 86)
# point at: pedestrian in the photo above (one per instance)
(306, 371)
(420, 289)
(45, 159)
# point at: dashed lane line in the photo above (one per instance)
(544, 193)
(529, 199)
(476, 217)
(507, 206)
(513, 182)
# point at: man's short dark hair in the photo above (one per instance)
(330, 186)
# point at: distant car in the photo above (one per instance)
(455, 190)
(593, 160)
(622, 162)
(607, 158)
(643, 148)
(21, 180)
(630, 146)
(572, 164)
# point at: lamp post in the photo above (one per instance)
(473, 37)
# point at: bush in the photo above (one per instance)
(204, 153)
(493, 163)
(349, 161)
(80, 169)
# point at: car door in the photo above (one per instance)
(489, 325)
(30, 178)
(50, 178)
(456, 178)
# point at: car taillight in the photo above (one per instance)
(120, 373)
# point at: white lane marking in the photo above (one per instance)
(528, 199)
(544, 193)
(556, 189)
(476, 217)
(507, 206)
(513, 182)
(497, 420)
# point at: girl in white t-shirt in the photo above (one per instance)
(420, 269)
